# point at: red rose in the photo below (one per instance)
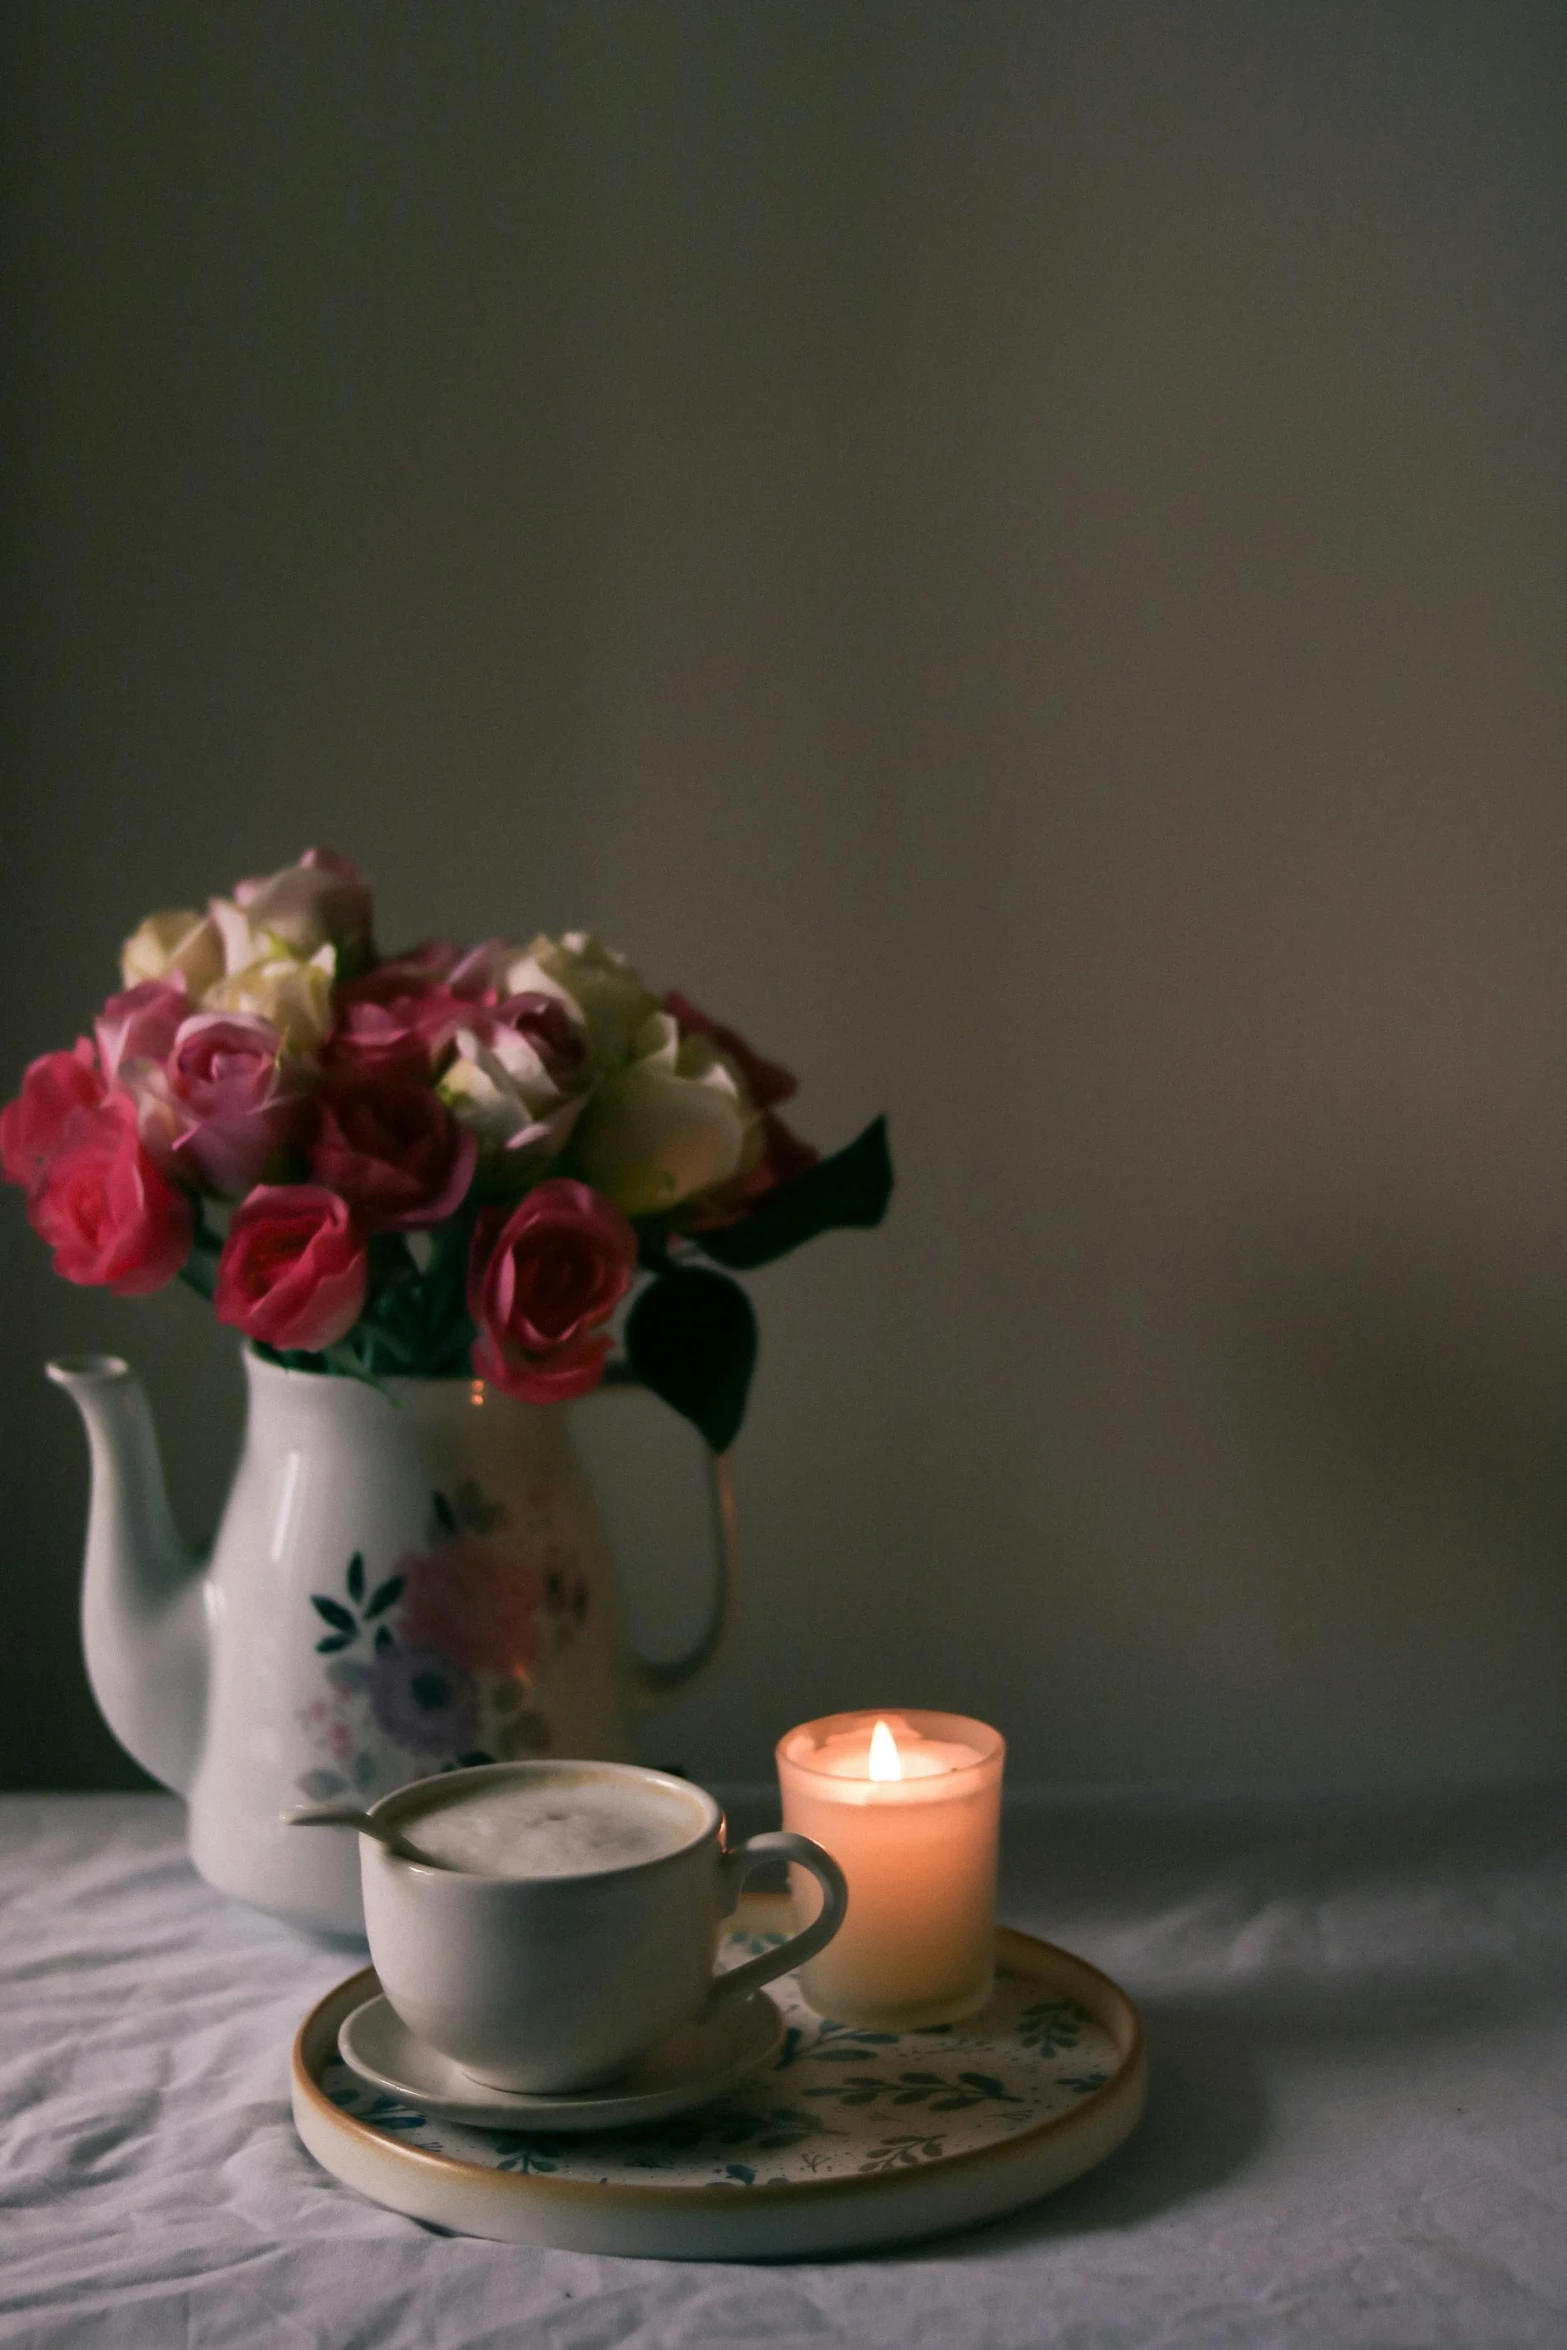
(399, 1019)
(33, 1127)
(293, 1267)
(395, 1152)
(400, 1040)
(112, 1220)
(541, 1282)
(424, 965)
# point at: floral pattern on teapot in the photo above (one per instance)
(435, 1664)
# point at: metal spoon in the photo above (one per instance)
(344, 1816)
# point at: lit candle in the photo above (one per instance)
(909, 1806)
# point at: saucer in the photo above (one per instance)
(688, 2068)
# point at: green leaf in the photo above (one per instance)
(333, 1612)
(445, 1515)
(200, 1269)
(691, 1337)
(385, 1595)
(200, 1275)
(851, 1188)
(356, 1577)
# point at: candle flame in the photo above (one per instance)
(886, 1762)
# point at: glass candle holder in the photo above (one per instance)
(909, 1806)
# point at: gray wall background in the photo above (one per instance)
(1017, 551)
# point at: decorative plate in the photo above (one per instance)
(849, 2138)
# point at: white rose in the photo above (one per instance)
(183, 942)
(675, 1122)
(319, 902)
(500, 1086)
(291, 992)
(594, 982)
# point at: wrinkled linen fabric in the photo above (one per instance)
(1356, 2135)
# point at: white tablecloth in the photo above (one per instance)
(1357, 2132)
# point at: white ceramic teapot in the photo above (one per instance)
(408, 1577)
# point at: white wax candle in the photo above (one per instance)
(909, 1807)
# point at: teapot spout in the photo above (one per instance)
(143, 1615)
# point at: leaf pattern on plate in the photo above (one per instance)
(831, 2105)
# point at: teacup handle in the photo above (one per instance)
(737, 1864)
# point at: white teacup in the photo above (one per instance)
(559, 1981)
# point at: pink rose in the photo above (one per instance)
(478, 981)
(33, 1127)
(112, 1220)
(480, 973)
(541, 1281)
(140, 1024)
(545, 1023)
(237, 1106)
(395, 1152)
(293, 1267)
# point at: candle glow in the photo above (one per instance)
(909, 1807)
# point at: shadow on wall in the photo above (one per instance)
(1448, 1397)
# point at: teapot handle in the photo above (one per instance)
(649, 1684)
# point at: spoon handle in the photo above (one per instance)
(345, 1816)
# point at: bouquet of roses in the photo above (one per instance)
(430, 1162)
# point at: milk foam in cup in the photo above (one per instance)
(570, 1918)
(558, 1828)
